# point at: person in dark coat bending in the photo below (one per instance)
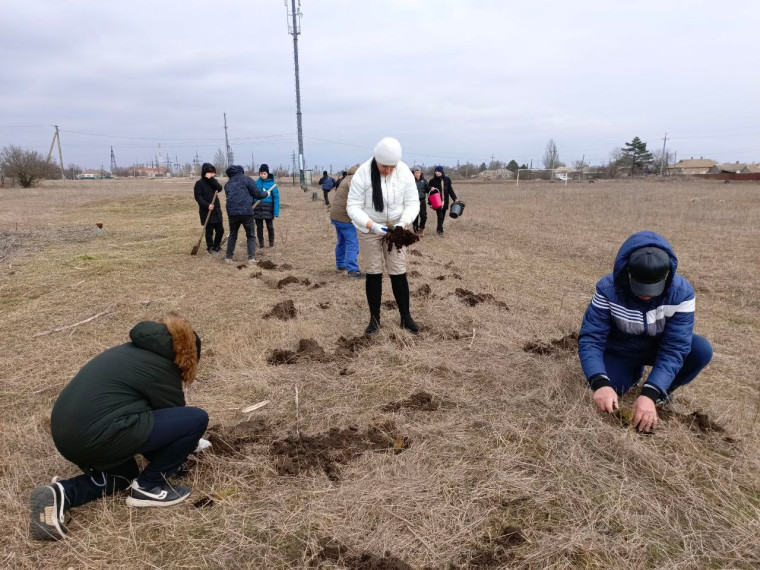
(205, 190)
(442, 183)
(241, 191)
(127, 400)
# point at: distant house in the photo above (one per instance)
(733, 167)
(753, 168)
(691, 166)
(90, 175)
(497, 173)
(151, 172)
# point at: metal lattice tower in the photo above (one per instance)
(113, 161)
(294, 29)
(230, 155)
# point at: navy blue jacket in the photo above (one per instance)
(621, 324)
(241, 192)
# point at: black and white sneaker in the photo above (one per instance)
(163, 495)
(47, 506)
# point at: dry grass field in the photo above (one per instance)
(474, 445)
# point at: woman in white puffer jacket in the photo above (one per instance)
(383, 193)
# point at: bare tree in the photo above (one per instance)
(661, 161)
(220, 162)
(26, 166)
(551, 155)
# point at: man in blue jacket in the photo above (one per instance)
(641, 314)
(241, 191)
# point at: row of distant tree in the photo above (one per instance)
(26, 167)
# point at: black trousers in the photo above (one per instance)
(260, 231)
(420, 221)
(441, 216)
(175, 434)
(247, 223)
(214, 233)
(327, 200)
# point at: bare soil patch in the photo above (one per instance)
(334, 551)
(473, 299)
(284, 310)
(423, 291)
(353, 345)
(497, 552)
(328, 450)
(266, 264)
(289, 280)
(557, 347)
(415, 253)
(233, 441)
(422, 401)
(415, 273)
(308, 349)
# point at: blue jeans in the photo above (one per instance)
(175, 434)
(247, 223)
(624, 372)
(347, 249)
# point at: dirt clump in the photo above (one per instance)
(335, 551)
(285, 267)
(473, 299)
(440, 278)
(278, 356)
(418, 401)
(390, 304)
(282, 283)
(284, 311)
(325, 305)
(556, 347)
(456, 276)
(415, 273)
(351, 346)
(233, 441)
(328, 450)
(266, 264)
(423, 291)
(309, 348)
(415, 253)
(319, 285)
(256, 275)
(400, 237)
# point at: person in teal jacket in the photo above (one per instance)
(269, 209)
(127, 400)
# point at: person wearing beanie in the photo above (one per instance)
(347, 248)
(241, 192)
(206, 194)
(327, 183)
(442, 183)
(126, 401)
(422, 190)
(382, 194)
(642, 314)
(269, 209)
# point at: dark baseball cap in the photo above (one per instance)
(648, 270)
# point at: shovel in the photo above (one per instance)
(197, 246)
(254, 205)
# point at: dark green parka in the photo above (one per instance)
(105, 414)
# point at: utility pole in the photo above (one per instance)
(196, 161)
(230, 156)
(294, 29)
(57, 137)
(664, 159)
(113, 161)
(253, 164)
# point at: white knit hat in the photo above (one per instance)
(388, 151)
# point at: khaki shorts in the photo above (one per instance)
(374, 253)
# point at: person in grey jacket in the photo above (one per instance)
(241, 191)
(422, 188)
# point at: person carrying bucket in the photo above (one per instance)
(383, 193)
(440, 191)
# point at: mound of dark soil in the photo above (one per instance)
(285, 267)
(400, 237)
(417, 401)
(440, 278)
(556, 347)
(456, 276)
(325, 305)
(284, 311)
(266, 264)
(414, 273)
(282, 283)
(351, 346)
(415, 253)
(232, 441)
(319, 285)
(309, 348)
(256, 275)
(277, 357)
(335, 551)
(242, 265)
(390, 304)
(423, 291)
(330, 449)
(473, 299)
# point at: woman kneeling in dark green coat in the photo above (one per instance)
(125, 401)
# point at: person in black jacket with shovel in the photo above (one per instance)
(204, 191)
(127, 400)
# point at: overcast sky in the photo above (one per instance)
(451, 79)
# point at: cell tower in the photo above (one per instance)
(230, 155)
(113, 161)
(294, 29)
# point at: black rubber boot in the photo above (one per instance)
(400, 287)
(373, 285)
